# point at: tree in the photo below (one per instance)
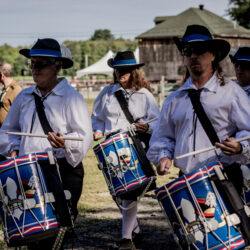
(239, 10)
(102, 35)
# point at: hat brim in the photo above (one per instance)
(124, 66)
(66, 62)
(221, 47)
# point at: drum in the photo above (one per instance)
(246, 188)
(27, 210)
(119, 163)
(198, 213)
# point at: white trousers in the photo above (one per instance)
(129, 221)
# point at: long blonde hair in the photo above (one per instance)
(137, 80)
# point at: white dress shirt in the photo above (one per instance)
(66, 112)
(178, 131)
(108, 116)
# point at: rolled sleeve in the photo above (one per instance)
(162, 144)
(80, 123)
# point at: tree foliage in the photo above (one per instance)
(239, 10)
(92, 49)
(102, 35)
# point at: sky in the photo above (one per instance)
(23, 21)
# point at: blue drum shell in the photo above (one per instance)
(21, 224)
(185, 207)
(130, 174)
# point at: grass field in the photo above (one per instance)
(95, 195)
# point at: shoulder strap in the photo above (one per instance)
(204, 120)
(41, 114)
(124, 105)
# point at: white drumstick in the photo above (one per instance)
(152, 120)
(42, 136)
(208, 149)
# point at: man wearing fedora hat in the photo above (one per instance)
(225, 108)
(109, 117)
(241, 61)
(55, 108)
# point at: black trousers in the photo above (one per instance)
(72, 179)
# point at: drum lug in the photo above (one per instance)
(100, 166)
(212, 225)
(247, 210)
(232, 220)
(49, 197)
(29, 203)
(67, 194)
(51, 158)
(130, 140)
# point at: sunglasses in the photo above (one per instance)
(40, 64)
(198, 50)
(242, 64)
(122, 72)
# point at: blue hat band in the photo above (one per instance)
(124, 62)
(45, 52)
(242, 57)
(196, 38)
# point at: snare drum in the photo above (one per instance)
(120, 165)
(26, 211)
(198, 213)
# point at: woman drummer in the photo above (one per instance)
(108, 119)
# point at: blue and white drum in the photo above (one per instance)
(26, 211)
(198, 213)
(120, 165)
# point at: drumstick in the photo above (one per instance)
(152, 120)
(208, 149)
(42, 136)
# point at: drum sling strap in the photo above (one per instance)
(227, 187)
(51, 174)
(145, 163)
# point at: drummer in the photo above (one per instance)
(108, 118)
(66, 113)
(241, 61)
(179, 131)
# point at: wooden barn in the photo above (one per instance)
(160, 54)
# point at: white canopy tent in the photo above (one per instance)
(101, 67)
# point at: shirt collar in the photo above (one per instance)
(117, 86)
(59, 89)
(211, 85)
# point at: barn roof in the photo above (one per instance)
(176, 25)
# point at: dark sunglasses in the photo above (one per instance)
(122, 72)
(40, 64)
(198, 50)
(242, 64)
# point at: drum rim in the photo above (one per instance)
(4, 165)
(193, 181)
(97, 147)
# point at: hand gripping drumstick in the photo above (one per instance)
(208, 149)
(42, 136)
